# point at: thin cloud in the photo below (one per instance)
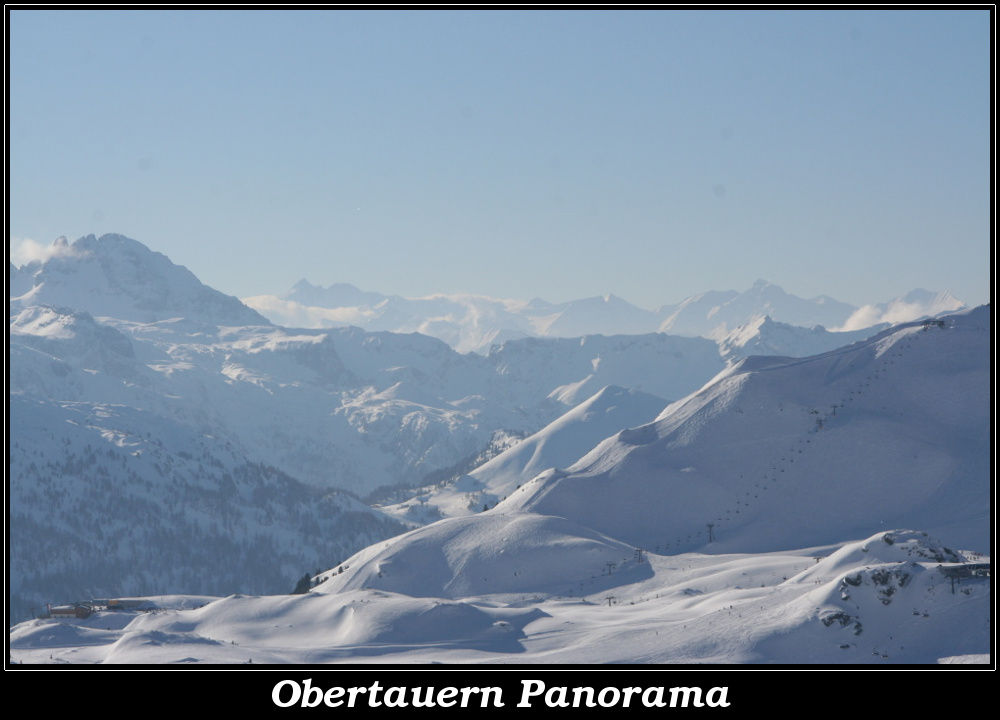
(23, 251)
(896, 311)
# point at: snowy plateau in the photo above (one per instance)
(742, 478)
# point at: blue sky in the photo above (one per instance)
(649, 154)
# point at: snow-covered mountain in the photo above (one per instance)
(670, 503)
(603, 315)
(764, 336)
(339, 407)
(558, 444)
(758, 520)
(777, 453)
(342, 407)
(336, 410)
(715, 314)
(569, 370)
(734, 512)
(466, 322)
(118, 277)
(107, 500)
(474, 323)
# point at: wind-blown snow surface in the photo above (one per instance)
(757, 520)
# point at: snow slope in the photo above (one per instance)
(780, 453)
(558, 444)
(859, 602)
(775, 455)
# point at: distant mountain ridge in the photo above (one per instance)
(475, 323)
(714, 314)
